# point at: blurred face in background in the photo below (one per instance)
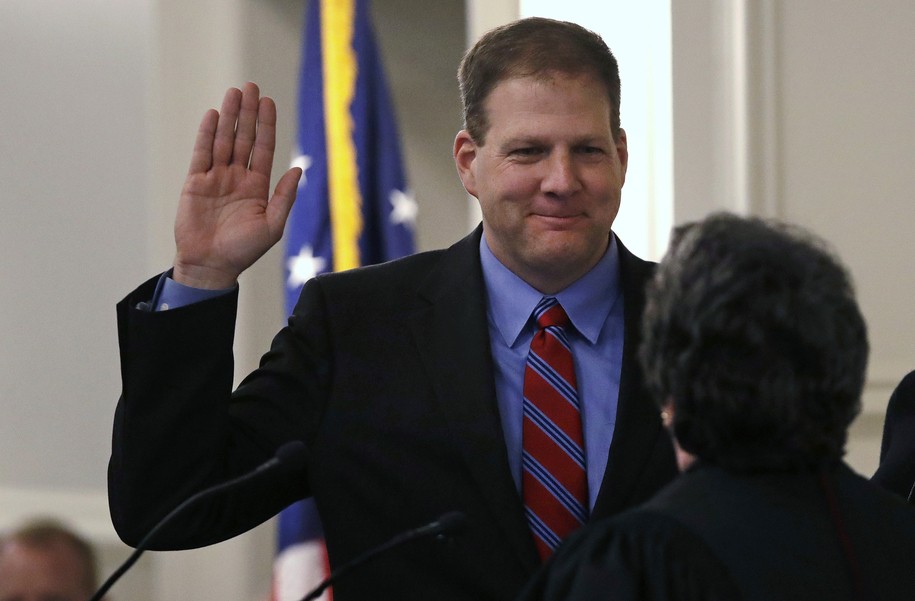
(52, 573)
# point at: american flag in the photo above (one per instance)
(353, 207)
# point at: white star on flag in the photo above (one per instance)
(404, 208)
(303, 161)
(304, 266)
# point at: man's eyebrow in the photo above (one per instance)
(523, 141)
(584, 139)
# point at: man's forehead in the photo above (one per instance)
(522, 108)
(534, 89)
(535, 137)
(546, 76)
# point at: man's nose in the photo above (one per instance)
(561, 177)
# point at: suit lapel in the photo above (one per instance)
(453, 336)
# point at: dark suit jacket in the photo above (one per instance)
(385, 373)
(897, 451)
(715, 536)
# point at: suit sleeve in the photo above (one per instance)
(179, 428)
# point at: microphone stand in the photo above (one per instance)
(448, 524)
(290, 456)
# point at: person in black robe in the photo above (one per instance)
(756, 349)
(896, 471)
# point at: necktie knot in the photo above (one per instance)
(550, 313)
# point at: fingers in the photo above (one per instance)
(281, 203)
(244, 129)
(224, 142)
(247, 125)
(202, 156)
(265, 142)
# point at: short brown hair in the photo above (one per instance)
(46, 533)
(533, 47)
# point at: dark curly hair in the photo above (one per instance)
(752, 331)
(533, 47)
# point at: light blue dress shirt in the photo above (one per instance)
(594, 305)
(169, 294)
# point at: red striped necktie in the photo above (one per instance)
(554, 483)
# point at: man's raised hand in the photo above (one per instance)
(225, 221)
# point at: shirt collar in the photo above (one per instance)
(587, 301)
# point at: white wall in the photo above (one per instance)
(73, 236)
(802, 111)
(74, 177)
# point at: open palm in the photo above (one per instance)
(225, 219)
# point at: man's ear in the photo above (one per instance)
(465, 152)
(622, 151)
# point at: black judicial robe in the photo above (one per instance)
(896, 472)
(711, 535)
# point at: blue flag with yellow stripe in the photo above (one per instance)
(352, 208)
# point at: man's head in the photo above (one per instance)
(537, 48)
(44, 561)
(543, 152)
(753, 341)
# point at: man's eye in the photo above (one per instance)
(527, 152)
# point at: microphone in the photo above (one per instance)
(448, 524)
(289, 457)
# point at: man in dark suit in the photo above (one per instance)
(406, 382)
(896, 471)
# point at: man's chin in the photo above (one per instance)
(562, 260)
